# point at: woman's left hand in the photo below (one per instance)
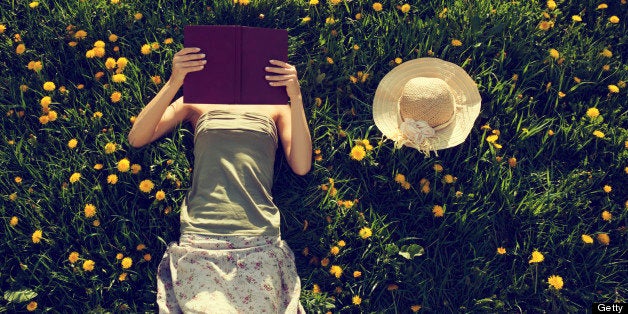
(287, 77)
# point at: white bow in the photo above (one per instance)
(415, 133)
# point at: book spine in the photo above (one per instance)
(237, 97)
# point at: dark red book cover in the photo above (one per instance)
(236, 57)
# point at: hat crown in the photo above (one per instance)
(427, 99)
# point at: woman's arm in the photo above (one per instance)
(160, 116)
(292, 124)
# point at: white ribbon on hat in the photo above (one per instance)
(415, 133)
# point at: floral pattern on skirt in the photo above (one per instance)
(228, 274)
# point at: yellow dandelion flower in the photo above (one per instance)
(122, 62)
(110, 148)
(449, 179)
(124, 165)
(99, 52)
(147, 257)
(613, 19)
(593, 113)
(606, 53)
(118, 78)
(405, 8)
(97, 114)
(342, 243)
(316, 289)
(334, 250)
(119, 256)
(113, 38)
(90, 210)
(501, 250)
(415, 308)
(356, 300)
(587, 239)
(456, 43)
(73, 257)
(49, 86)
(32, 305)
(551, 5)
(75, 177)
(138, 16)
(98, 166)
(52, 115)
(330, 60)
(555, 281)
(406, 185)
(20, 49)
(358, 152)
(146, 186)
(168, 41)
(545, 25)
(2, 28)
(377, 6)
(80, 34)
(598, 134)
(160, 195)
(365, 232)
(358, 16)
(537, 257)
(607, 216)
(576, 18)
(602, 6)
(357, 274)
(607, 188)
(325, 262)
(512, 162)
(400, 178)
(135, 168)
(14, 221)
(156, 79)
(438, 211)
(112, 179)
(335, 270)
(36, 236)
(561, 94)
(18, 180)
(603, 238)
(72, 143)
(313, 2)
(145, 49)
(613, 89)
(126, 262)
(398, 60)
(492, 138)
(122, 277)
(110, 63)
(88, 265)
(44, 119)
(154, 46)
(621, 84)
(116, 97)
(554, 53)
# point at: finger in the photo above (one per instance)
(280, 83)
(280, 70)
(191, 63)
(187, 50)
(279, 77)
(189, 57)
(281, 64)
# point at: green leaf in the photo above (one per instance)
(19, 296)
(411, 251)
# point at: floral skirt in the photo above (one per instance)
(228, 274)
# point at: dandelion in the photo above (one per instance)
(449, 179)
(561, 94)
(98, 166)
(456, 43)
(49, 86)
(88, 265)
(146, 186)
(118, 78)
(512, 162)
(405, 8)
(603, 238)
(334, 250)
(110, 148)
(613, 19)
(325, 262)
(555, 281)
(613, 89)
(168, 41)
(602, 6)
(357, 274)
(154, 46)
(147, 257)
(32, 305)
(37, 235)
(145, 49)
(126, 262)
(593, 113)
(75, 177)
(124, 165)
(358, 16)
(110, 63)
(606, 53)
(160, 195)
(576, 18)
(501, 250)
(377, 6)
(537, 257)
(2, 28)
(35, 66)
(116, 97)
(72, 143)
(598, 134)
(18, 180)
(90, 210)
(425, 186)
(400, 178)
(13, 222)
(138, 16)
(551, 5)
(545, 25)
(438, 211)
(342, 243)
(135, 168)
(330, 60)
(156, 79)
(122, 277)
(492, 138)
(306, 20)
(365, 232)
(415, 308)
(587, 239)
(607, 216)
(554, 53)
(398, 60)
(313, 2)
(356, 300)
(357, 152)
(119, 256)
(335, 270)
(607, 188)
(73, 257)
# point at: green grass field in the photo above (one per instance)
(545, 168)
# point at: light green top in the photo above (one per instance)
(234, 156)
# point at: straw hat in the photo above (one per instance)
(427, 104)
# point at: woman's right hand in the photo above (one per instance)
(185, 61)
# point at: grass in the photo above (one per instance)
(544, 182)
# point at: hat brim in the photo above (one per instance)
(385, 103)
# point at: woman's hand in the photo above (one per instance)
(185, 61)
(288, 77)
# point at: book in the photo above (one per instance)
(236, 60)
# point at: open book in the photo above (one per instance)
(236, 60)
